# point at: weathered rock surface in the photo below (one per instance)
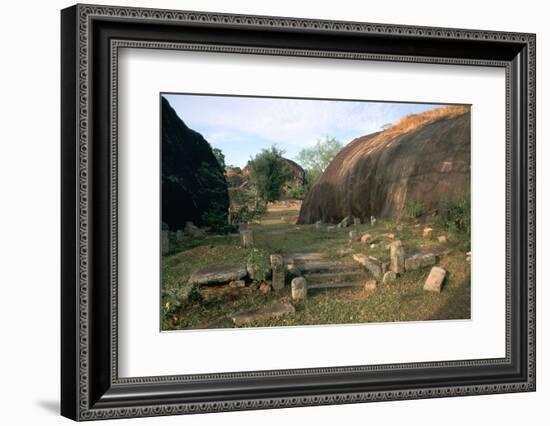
(397, 257)
(262, 314)
(193, 183)
(218, 275)
(417, 261)
(277, 272)
(389, 277)
(425, 157)
(371, 263)
(435, 280)
(298, 288)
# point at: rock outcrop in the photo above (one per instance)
(193, 183)
(425, 158)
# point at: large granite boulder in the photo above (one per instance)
(193, 182)
(423, 158)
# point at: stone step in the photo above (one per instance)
(304, 257)
(334, 276)
(306, 267)
(333, 285)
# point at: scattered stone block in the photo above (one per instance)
(345, 222)
(165, 242)
(373, 246)
(180, 235)
(442, 239)
(262, 314)
(427, 233)
(298, 288)
(265, 287)
(371, 263)
(469, 257)
(372, 220)
(427, 259)
(356, 221)
(218, 275)
(412, 263)
(247, 238)
(365, 238)
(353, 235)
(389, 277)
(318, 224)
(331, 228)
(370, 285)
(277, 271)
(399, 227)
(435, 279)
(397, 257)
(192, 230)
(237, 284)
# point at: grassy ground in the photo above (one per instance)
(402, 300)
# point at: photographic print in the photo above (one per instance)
(292, 212)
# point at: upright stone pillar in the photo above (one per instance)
(165, 242)
(277, 271)
(247, 238)
(397, 257)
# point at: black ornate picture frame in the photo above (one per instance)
(91, 387)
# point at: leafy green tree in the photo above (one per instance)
(219, 157)
(317, 158)
(269, 173)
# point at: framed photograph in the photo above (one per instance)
(263, 212)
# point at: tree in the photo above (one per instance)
(269, 173)
(317, 158)
(219, 157)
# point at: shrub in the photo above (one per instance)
(414, 209)
(258, 261)
(455, 216)
(296, 191)
(216, 220)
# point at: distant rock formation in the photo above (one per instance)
(193, 183)
(424, 158)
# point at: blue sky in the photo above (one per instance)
(242, 126)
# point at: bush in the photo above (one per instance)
(296, 191)
(258, 261)
(270, 173)
(455, 216)
(216, 221)
(414, 209)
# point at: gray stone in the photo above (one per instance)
(372, 220)
(427, 259)
(356, 221)
(435, 279)
(399, 227)
(412, 263)
(353, 235)
(318, 224)
(371, 263)
(165, 243)
(345, 222)
(180, 235)
(389, 277)
(298, 288)
(397, 257)
(193, 231)
(247, 238)
(262, 314)
(331, 228)
(278, 271)
(218, 275)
